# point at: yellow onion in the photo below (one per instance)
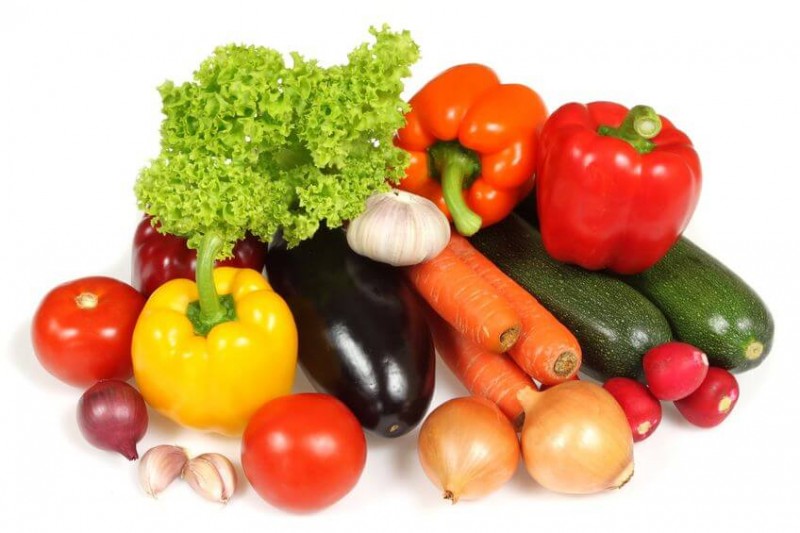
(468, 448)
(576, 438)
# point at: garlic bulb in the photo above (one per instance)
(399, 228)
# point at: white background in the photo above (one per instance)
(79, 117)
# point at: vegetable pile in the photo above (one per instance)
(299, 215)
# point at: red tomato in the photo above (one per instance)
(82, 330)
(303, 452)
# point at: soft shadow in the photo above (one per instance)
(168, 430)
(69, 424)
(301, 382)
(409, 440)
(523, 483)
(397, 459)
(121, 268)
(446, 380)
(25, 361)
(671, 413)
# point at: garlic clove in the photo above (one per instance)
(212, 476)
(226, 471)
(160, 466)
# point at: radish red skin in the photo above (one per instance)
(674, 370)
(642, 409)
(713, 401)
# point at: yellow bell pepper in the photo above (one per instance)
(214, 374)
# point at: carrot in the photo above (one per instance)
(466, 301)
(546, 350)
(487, 374)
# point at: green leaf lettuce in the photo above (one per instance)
(252, 144)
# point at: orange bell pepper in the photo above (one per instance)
(472, 142)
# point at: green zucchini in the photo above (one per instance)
(708, 306)
(614, 324)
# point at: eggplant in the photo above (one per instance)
(362, 333)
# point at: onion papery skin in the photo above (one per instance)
(468, 448)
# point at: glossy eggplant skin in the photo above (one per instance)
(362, 333)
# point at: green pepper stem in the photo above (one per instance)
(211, 308)
(457, 167)
(640, 125)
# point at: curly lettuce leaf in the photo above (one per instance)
(254, 145)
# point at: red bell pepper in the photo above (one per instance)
(158, 258)
(615, 188)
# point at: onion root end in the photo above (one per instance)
(624, 477)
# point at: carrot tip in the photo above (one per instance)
(566, 364)
(509, 337)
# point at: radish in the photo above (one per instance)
(710, 404)
(674, 370)
(641, 408)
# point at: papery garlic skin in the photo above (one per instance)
(399, 228)
(160, 466)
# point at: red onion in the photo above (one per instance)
(113, 416)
